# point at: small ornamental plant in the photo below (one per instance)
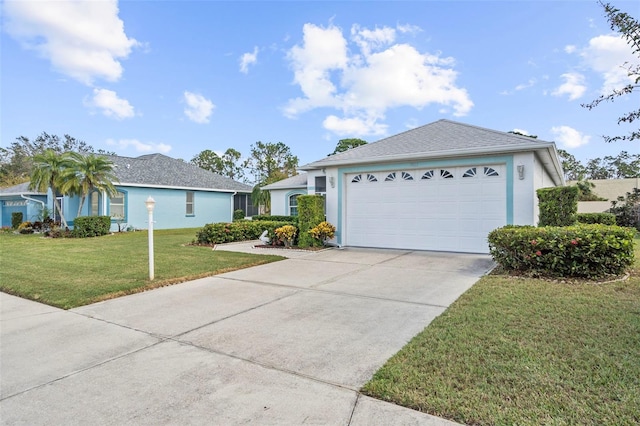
(323, 231)
(25, 228)
(286, 234)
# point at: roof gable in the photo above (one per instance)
(297, 181)
(440, 138)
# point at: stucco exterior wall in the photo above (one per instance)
(170, 208)
(280, 200)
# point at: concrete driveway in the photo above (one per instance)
(287, 343)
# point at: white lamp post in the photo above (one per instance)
(150, 203)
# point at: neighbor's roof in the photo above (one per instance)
(297, 181)
(20, 189)
(160, 171)
(442, 138)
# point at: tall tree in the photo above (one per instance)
(226, 165)
(347, 144)
(629, 29)
(573, 169)
(270, 162)
(88, 173)
(48, 171)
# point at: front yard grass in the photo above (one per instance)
(526, 352)
(70, 272)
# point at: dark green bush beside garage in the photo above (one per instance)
(586, 251)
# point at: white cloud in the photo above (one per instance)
(569, 137)
(573, 86)
(570, 48)
(365, 79)
(248, 59)
(355, 126)
(84, 40)
(139, 146)
(606, 55)
(110, 104)
(199, 108)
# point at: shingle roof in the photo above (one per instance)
(297, 181)
(21, 188)
(158, 170)
(440, 138)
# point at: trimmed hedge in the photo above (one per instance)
(238, 214)
(310, 214)
(586, 251)
(245, 230)
(558, 206)
(16, 219)
(91, 226)
(290, 219)
(591, 218)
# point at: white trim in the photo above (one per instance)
(140, 185)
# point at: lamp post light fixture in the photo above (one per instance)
(150, 203)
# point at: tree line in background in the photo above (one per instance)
(17, 160)
(622, 166)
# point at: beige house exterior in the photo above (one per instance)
(610, 189)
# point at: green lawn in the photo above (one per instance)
(527, 352)
(69, 272)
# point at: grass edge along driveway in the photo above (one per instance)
(71, 272)
(528, 352)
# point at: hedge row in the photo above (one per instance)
(587, 251)
(592, 218)
(91, 226)
(244, 230)
(276, 218)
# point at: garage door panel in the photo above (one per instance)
(453, 214)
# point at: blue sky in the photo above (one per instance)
(179, 77)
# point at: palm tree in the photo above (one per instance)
(49, 168)
(261, 199)
(89, 173)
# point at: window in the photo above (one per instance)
(371, 178)
(446, 174)
(390, 177)
(293, 205)
(118, 206)
(407, 176)
(490, 171)
(321, 184)
(190, 210)
(356, 179)
(427, 175)
(469, 173)
(94, 204)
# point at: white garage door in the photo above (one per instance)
(446, 209)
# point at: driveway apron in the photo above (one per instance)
(289, 342)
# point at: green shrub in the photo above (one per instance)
(558, 206)
(238, 215)
(291, 219)
(627, 209)
(591, 218)
(91, 226)
(246, 230)
(587, 251)
(310, 214)
(16, 219)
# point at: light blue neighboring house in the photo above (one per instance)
(20, 199)
(442, 186)
(186, 196)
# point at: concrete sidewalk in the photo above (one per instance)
(288, 343)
